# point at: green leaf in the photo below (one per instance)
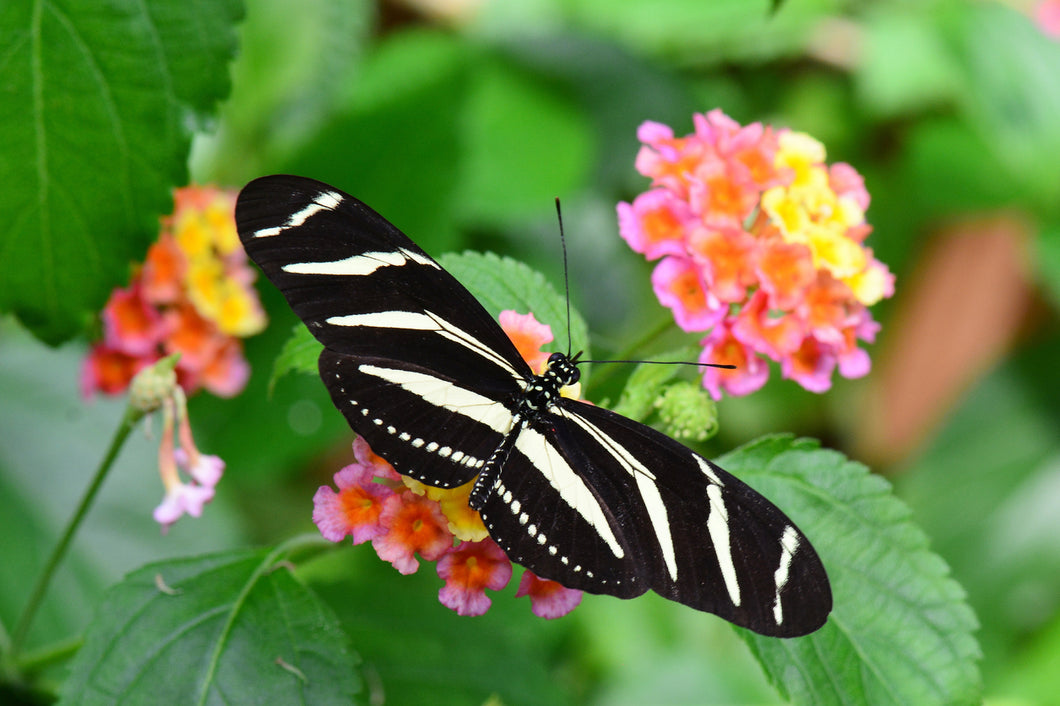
(901, 629)
(299, 355)
(96, 115)
(234, 627)
(423, 653)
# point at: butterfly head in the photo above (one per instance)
(562, 369)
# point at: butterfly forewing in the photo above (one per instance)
(363, 288)
(574, 492)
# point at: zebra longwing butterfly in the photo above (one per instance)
(574, 492)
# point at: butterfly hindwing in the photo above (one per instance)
(699, 535)
(428, 427)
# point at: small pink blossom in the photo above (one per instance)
(468, 570)
(130, 324)
(811, 365)
(721, 347)
(548, 599)
(376, 464)
(679, 285)
(655, 224)
(204, 471)
(182, 499)
(354, 510)
(529, 336)
(413, 525)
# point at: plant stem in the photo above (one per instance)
(18, 637)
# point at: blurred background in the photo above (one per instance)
(460, 121)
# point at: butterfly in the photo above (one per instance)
(574, 492)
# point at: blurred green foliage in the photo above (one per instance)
(461, 131)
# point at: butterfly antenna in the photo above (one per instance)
(566, 276)
(668, 362)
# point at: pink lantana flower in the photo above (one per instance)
(762, 245)
(354, 509)
(722, 347)
(408, 521)
(529, 336)
(548, 599)
(468, 570)
(412, 525)
(680, 285)
(130, 324)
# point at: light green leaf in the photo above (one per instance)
(901, 628)
(232, 628)
(97, 106)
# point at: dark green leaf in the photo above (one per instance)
(901, 629)
(231, 628)
(97, 105)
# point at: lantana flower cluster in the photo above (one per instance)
(761, 244)
(193, 295)
(407, 521)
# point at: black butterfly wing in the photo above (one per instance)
(393, 323)
(651, 513)
(580, 495)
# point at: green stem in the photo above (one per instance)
(18, 637)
